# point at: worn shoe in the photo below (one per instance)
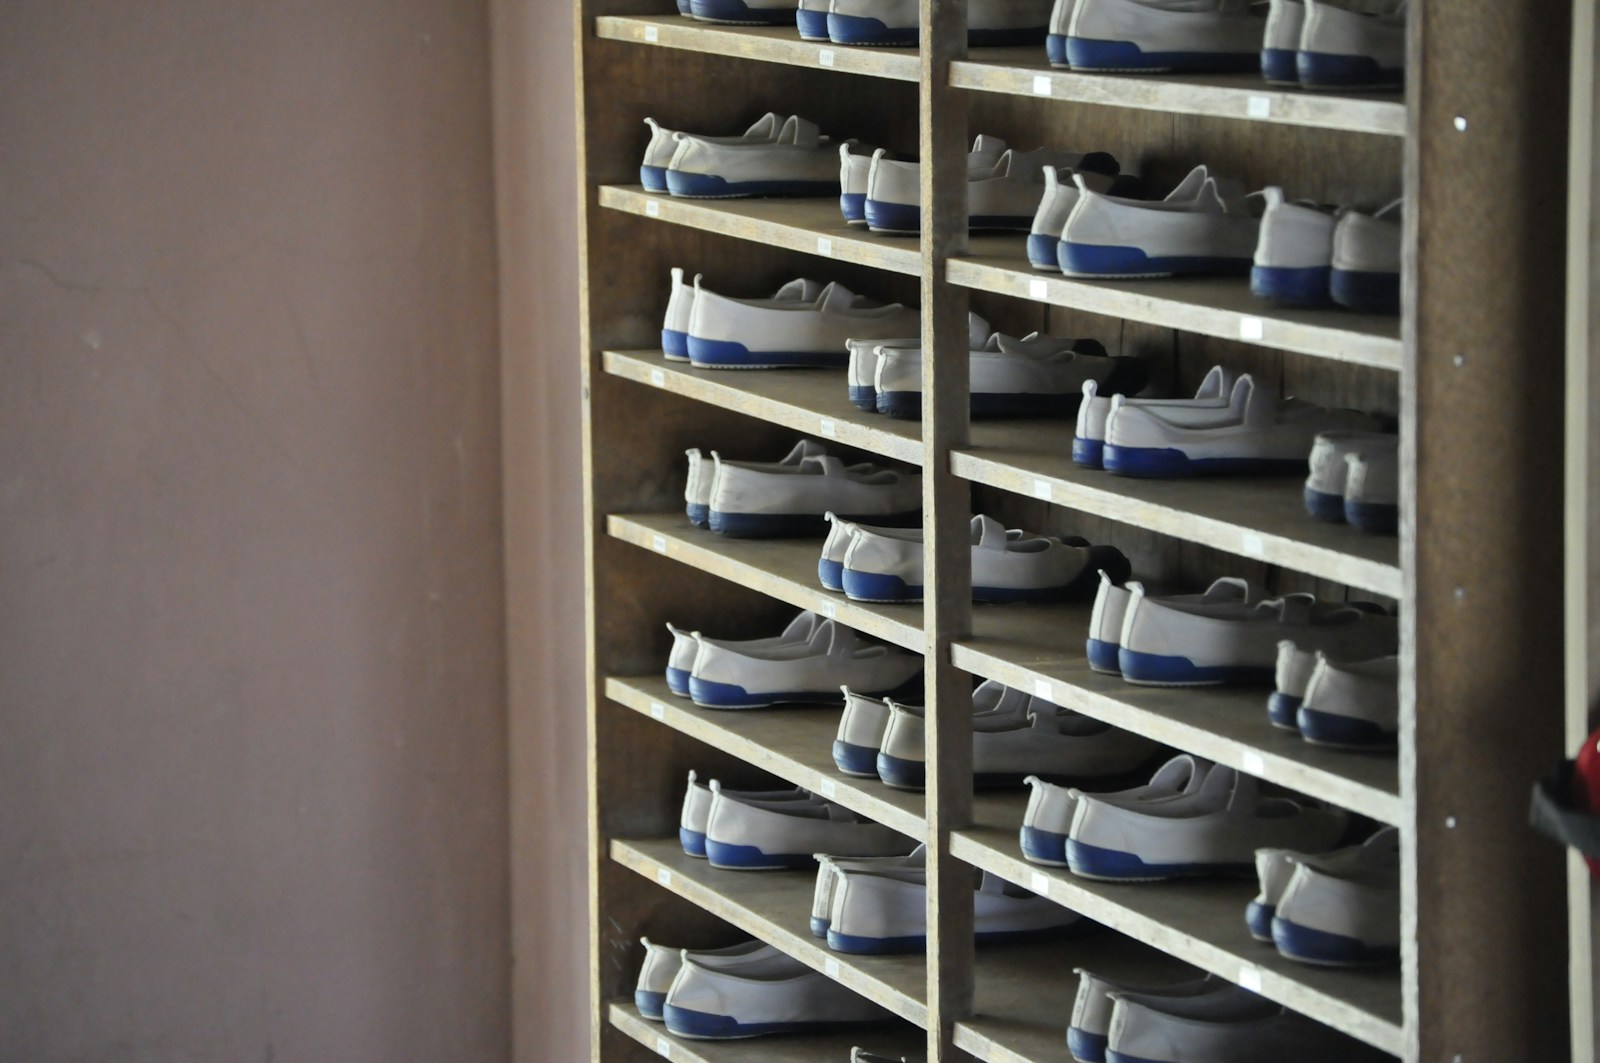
(1366, 261)
(1281, 42)
(894, 190)
(1290, 674)
(860, 736)
(1274, 868)
(746, 834)
(1048, 818)
(702, 474)
(751, 503)
(1092, 1008)
(1089, 440)
(1150, 36)
(902, 755)
(664, 142)
(884, 912)
(662, 964)
(854, 165)
(829, 869)
(1060, 195)
(1108, 236)
(680, 309)
(864, 354)
(1167, 642)
(726, 677)
(1214, 831)
(1034, 376)
(726, 333)
(1372, 490)
(1360, 45)
(1109, 618)
(1352, 706)
(696, 810)
(1329, 468)
(745, 12)
(1342, 909)
(1294, 253)
(782, 995)
(811, 17)
(686, 647)
(799, 161)
(990, 23)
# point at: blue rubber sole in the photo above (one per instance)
(1155, 669)
(738, 13)
(1086, 1047)
(855, 760)
(1103, 656)
(819, 927)
(703, 1026)
(1085, 53)
(1374, 517)
(729, 354)
(649, 1004)
(1278, 66)
(1258, 917)
(1323, 70)
(1342, 732)
(877, 587)
(709, 186)
(1164, 463)
(1042, 252)
(685, 7)
(1089, 453)
(902, 774)
(859, 29)
(693, 842)
(654, 178)
(678, 681)
(712, 695)
(1281, 709)
(864, 397)
(1325, 505)
(1055, 50)
(895, 219)
(1110, 260)
(853, 205)
(1113, 1056)
(830, 574)
(1331, 950)
(856, 945)
(813, 25)
(1366, 292)
(1091, 861)
(699, 516)
(751, 858)
(675, 345)
(1291, 287)
(1043, 847)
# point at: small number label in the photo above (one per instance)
(652, 209)
(1259, 107)
(1251, 328)
(658, 378)
(663, 1048)
(1041, 689)
(651, 35)
(1041, 489)
(825, 56)
(1250, 978)
(831, 968)
(658, 710)
(1252, 763)
(827, 427)
(1041, 85)
(1252, 545)
(658, 543)
(663, 876)
(825, 788)
(829, 610)
(1037, 289)
(1041, 883)
(824, 246)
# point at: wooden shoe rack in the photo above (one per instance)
(1471, 372)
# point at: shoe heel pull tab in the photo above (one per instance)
(692, 776)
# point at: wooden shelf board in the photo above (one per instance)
(785, 569)
(1226, 724)
(1018, 72)
(770, 44)
(1257, 518)
(812, 225)
(895, 1041)
(1202, 923)
(775, 906)
(792, 742)
(1211, 306)
(813, 401)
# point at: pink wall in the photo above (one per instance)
(252, 668)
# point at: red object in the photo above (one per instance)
(1586, 786)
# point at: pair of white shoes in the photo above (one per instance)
(805, 324)
(745, 990)
(1192, 819)
(1200, 1020)
(1344, 704)
(1015, 736)
(1228, 634)
(806, 664)
(1251, 431)
(1355, 479)
(883, 23)
(1152, 36)
(1094, 412)
(884, 564)
(795, 495)
(1307, 256)
(1338, 909)
(879, 907)
(1335, 44)
(778, 155)
(773, 830)
(1098, 173)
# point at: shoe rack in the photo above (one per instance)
(1466, 372)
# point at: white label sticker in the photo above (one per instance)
(658, 543)
(651, 35)
(658, 378)
(652, 208)
(829, 610)
(825, 788)
(1250, 328)
(1252, 763)
(663, 876)
(663, 1046)
(1250, 978)
(1037, 289)
(1041, 489)
(827, 427)
(1041, 883)
(1041, 85)
(1252, 545)
(831, 968)
(825, 56)
(824, 246)
(658, 710)
(1259, 106)
(1042, 689)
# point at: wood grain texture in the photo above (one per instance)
(894, 1041)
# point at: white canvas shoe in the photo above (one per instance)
(664, 142)
(1274, 868)
(1325, 483)
(661, 966)
(783, 996)
(1109, 616)
(901, 757)
(1290, 674)
(854, 165)
(1281, 42)
(727, 333)
(1055, 41)
(1060, 195)
(1112, 237)
(1342, 909)
(696, 810)
(1294, 253)
(1352, 706)
(1215, 831)
(686, 647)
(1257, 433)
(841, 533)
(1168, 642)
(799, 161)
(1353, 45)
(829, 869)
(894, 190)
(726, 677)
(885, 912)
(702, 476)
(1222, 1028)
(1372, 490)
(745, 12)
(1034, 376)
(862, 372)
(680, 309)
(1149, 36)
(1366, 261)
(860, 735)
(1048, 817)
(990, 23)
(1089, 439)
(1007, 566)
(811, 17)
(746, 834)
(1094, 1003)
(751, 503)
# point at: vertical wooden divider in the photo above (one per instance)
(947, 605)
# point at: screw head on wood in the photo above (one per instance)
(1461, 123)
